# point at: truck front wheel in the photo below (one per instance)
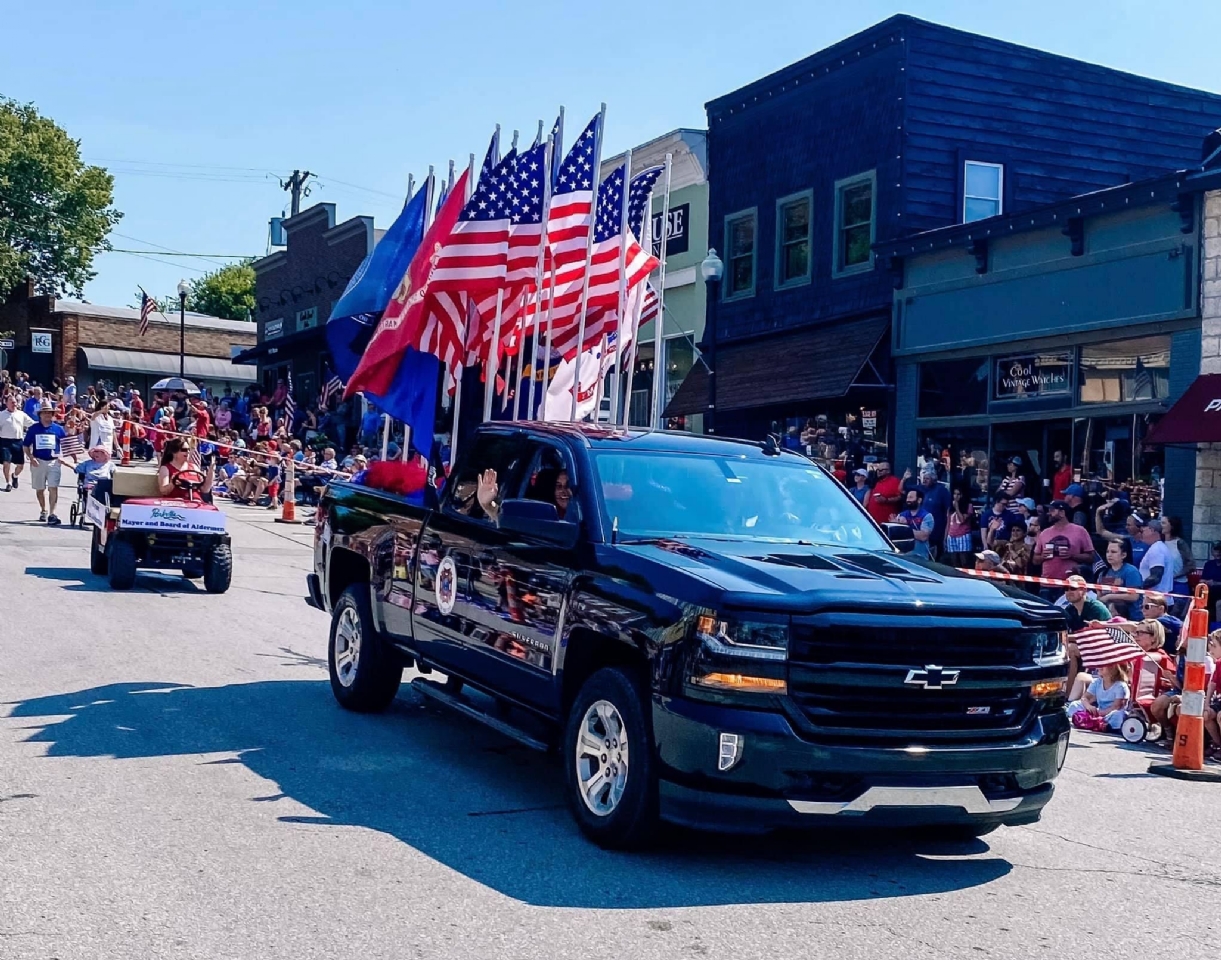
(609, 769)
(364, 677)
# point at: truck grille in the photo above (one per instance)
(847, 682)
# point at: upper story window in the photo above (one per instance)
(793, 239)
(854, 223)
(740, 232)
(982, 190)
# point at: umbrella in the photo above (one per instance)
(176, 385)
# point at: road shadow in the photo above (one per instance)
(477, 802)
(80, 580)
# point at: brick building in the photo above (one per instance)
(55, 339)
(295, 289)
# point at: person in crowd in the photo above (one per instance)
(1106, 697)
(989, 561)
(1209, 575)
(1165, 708)
(1061, 548)
(1155, 607)
(997, 522)
(1157, 565)
(937, 503)
(98, 467)
(1062, 478)
(136, 405)
(1080, 608)
(959, 526)
(43, 442)
(70, 392)
(1013, 485)
(1133, 523)
(1015, 552)
(1212, 698)
(1025, 508)
(885, 497)
(920, 521)
(1074, 500)
(14, 424)
(860, 485)
(102, 427)
(1121, 572)
(1180, 554)
(33, 403)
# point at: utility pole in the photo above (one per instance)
(296, 185)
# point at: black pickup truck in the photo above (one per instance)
(710, 632)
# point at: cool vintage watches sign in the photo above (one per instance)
(1037, 375)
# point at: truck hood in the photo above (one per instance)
(792, 578)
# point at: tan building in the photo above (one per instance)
(55, 339)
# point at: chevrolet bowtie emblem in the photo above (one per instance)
(932, 677)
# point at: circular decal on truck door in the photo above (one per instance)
(447, 586)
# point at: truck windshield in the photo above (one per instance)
(658, 495)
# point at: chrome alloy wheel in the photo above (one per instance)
(347, 646)
(602, 758)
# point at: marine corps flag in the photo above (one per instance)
(413, 318)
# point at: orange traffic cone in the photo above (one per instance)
(289, 493)
(126, 462)
(1188, 759)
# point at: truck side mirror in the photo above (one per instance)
(540, 520)
(900, 534)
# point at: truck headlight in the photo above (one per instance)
(1048, 645)
(747, 639)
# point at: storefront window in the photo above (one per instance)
(961, 456)
(1113, 449)
(1126, 370)
(954, 388)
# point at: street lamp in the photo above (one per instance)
(711, 269)
(183, 290)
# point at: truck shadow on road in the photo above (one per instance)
(476, 802)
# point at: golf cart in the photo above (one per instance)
(137, 527)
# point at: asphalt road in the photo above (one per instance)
(176, 781)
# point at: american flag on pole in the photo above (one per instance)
(473, 259)
(332, 388)
(1104, 646)
(290, 404)
(72, 446)
(148, 306)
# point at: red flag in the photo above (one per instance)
(414, 317)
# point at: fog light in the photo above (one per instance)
(738, 681)
(1045, 689)
(1061, 752)
(731, 752)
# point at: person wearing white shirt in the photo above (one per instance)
(70, 392)
(13, 424)
(1157, 565)
(101, 430)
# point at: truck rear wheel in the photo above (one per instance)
(218, 568)
(364, 676)
(97, 554)
(121, 564)
(609, 769)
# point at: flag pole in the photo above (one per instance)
(659, 364)
(496, 137)
(589, 252)
(556, 148)
(492, 372)
(514, 139)
(623, 234)
(410, 185)
(458, 371)
(539, 271)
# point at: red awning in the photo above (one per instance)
(1196, 418)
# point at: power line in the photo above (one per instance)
(161, 163)
(202, 256)
(168, 263)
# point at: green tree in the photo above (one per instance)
(55, 210)
(225, 292)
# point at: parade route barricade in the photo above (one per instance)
(1050, 582)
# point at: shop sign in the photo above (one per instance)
(7, 343)
(273, 328)
(677, 238)
(869, 420)
(307, 319)
(40, 341)
(1036, 375)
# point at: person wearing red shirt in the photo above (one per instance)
(1063, 477)
(203, 419)
(137, 406)
(883, 500)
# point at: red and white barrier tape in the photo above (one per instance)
(1050, 582)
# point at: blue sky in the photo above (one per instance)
(196, 108)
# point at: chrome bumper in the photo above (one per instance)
(969, 799)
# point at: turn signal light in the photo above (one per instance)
(737, 681)
(1048, 688)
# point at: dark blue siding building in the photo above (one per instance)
(905, 127)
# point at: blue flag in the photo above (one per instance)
(356, 313)
(412, 397)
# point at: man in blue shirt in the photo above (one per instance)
(937, 503)
(32, 403)
(920, 521)
(42, 446)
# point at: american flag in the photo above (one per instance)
(332, 388)
(290, 404)
(1104, 646)
(148, 306)
(473, 259)
(572, 200)
(72, 446)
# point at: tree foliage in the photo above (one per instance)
(225, 292)
(55, 210)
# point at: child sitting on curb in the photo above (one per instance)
(1102, 706)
